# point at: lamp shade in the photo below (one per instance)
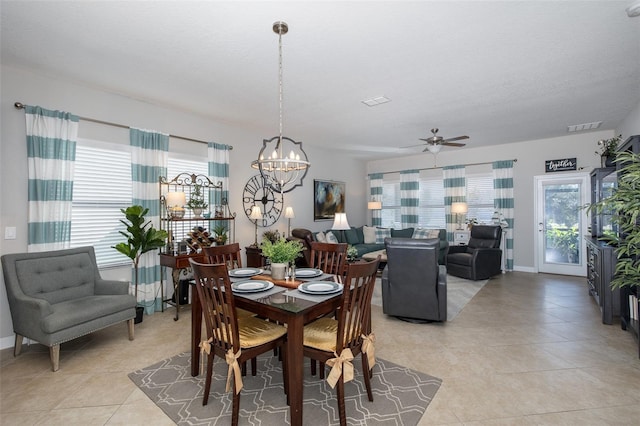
(434, 148)
(459, 208)
(175, 199)
(256, 213)
(340, 222)
(288, 213)
(374, 205)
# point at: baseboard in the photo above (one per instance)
(528, 269)
(8, 342)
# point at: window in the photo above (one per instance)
(431, 211)
(480, 197)
(102, 186)
(391, 201)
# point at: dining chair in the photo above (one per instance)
(235, 339)
(328, 257)
(229, 254)
(336, 341)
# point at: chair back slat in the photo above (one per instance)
(216, 299)
(229, 254)
(354, 315)
(328, 257)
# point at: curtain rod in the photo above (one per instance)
(442, 167)
(20, 105)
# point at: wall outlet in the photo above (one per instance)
(10, 233)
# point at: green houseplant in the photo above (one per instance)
(141, 237)
(220, 234)
(607, 150)
(625, 203)
(281, 253)
(196, 201)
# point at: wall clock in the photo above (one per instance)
(258, 193)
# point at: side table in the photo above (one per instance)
(255, 259)
(176, 263)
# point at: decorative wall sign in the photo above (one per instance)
(328, 199)
(561, 165)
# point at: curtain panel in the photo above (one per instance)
(149, 159)
(409, 198)
(504, 203)
(51, 154)
(218, 155)
(455, 189)
(375, 191)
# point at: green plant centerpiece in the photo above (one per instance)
(281, 253)
(352, 253)
(220, 234)
(607, 149)
(625, 205)
(196, 200)
(141, 237)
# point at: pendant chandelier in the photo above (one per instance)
(282, 162)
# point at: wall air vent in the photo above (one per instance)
(584, 127)
(379, 100)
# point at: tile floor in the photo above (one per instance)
(528, 349)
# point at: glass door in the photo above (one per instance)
(562, 223)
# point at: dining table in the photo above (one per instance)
(285, 305)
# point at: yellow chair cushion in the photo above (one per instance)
(321, 334)
(254, 331)
(242, 313)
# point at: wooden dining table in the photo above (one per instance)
(293, 311)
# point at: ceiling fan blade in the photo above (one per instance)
(459, 138)
(426, 140)
(454, 144)
(411, 146)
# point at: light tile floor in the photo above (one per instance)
(528, 349)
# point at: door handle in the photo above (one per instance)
(540, 227)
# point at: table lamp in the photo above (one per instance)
(340, 222)
(256, 215)
(175, 202)
(289, 214)
(459, 209)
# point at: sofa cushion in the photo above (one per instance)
(422, 233)
(331, 238)
(368, 248)
(78, 311)
(360, 234)
(351, 235)
(401, 233)
(369, 235)
(381, 234)
(321, 237)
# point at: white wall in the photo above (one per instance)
(630, 126)
(531, 156)
(35, 89)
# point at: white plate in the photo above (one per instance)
(244, 272)
(251, 286)
(320, 287)
(308, 272)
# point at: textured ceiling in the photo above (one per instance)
(499, 72)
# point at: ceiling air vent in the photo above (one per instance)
(584, 127)
(379, 100)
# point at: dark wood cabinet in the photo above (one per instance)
(601, 263)
(255, 259)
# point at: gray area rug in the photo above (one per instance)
(459, 293)
(400, 395)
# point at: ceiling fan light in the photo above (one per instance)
(435, 148)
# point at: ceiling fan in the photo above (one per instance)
(435, 142)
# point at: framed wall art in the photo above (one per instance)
(328, 199)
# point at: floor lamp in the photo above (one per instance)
(255, 215)
(374, 205)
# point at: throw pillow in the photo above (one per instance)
(331, 238)
(351, 236)
(421, 233)
(402, 233)
(381, 234)
(369, 233)
(321, 238)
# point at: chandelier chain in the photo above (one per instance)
(280, 97)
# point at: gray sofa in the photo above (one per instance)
(57, 296)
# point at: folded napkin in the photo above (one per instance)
(281, 283)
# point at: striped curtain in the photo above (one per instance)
(409, 198)
(51, 152)
(455, 190)
(375, 191)
(218, 155)
(503, 203)
(149, 159)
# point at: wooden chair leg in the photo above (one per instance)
(367, 376)
(341, 408)
(54, 354)
(17, 348)
(131, 329)
(235, 410)
(322, 370)
(207, 383)
(313, 367)
(254, 366)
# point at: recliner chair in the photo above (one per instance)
(414, 285)
(481, 258)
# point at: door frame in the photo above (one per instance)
(538, 181)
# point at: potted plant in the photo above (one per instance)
(352, 253)
(141, 237)
(196, 201)
(607, 150)
(220, 234)
(272, 236)
(281, 253)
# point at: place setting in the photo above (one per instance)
(316, 290)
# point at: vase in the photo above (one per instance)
(197, 212)
(607, 161)
(278, 271)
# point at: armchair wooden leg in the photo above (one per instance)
(54, 354)
(131, 328)
(17, 348)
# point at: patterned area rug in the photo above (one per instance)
(400, 395)
(459, 293)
